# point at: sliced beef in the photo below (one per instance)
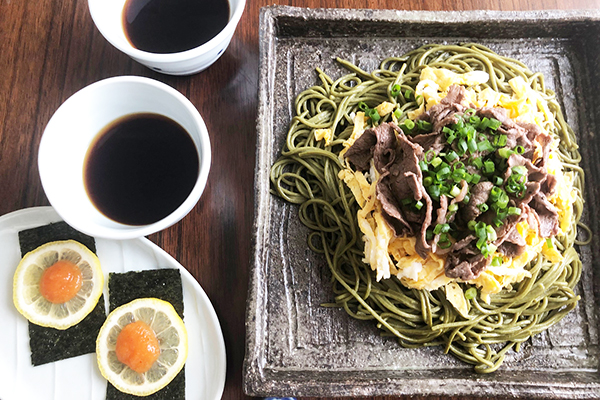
(549, 185)
(466, 266)
(513, 244)
(534, 173)
(462, 244)
(386, 148)
(361, 152)
(434, 140)
(479, 195)
(392, 212)
(547, 215)
(545, 141)
(397, 160)
(441, 219)
(443, 114)
(501, 114)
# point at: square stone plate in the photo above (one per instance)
(294, 346)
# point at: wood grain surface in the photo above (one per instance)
(49, 49)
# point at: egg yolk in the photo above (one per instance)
(60, 282)
(137, 346)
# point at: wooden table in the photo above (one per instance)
(49, 49)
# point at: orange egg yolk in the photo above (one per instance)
(60, 282)
(137, 346)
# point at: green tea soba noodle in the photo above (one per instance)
(308, 174)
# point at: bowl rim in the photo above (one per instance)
(213, 43)
(124, 231)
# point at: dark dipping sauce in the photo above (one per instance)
(171, 26)
(140, 168)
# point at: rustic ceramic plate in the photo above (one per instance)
(295, 346)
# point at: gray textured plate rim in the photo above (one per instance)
(260, 377)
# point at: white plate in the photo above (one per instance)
(78, 378)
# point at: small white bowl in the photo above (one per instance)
(76, 123)
(107, 15)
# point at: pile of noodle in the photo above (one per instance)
(306, 174)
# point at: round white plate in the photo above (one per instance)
(78, 378)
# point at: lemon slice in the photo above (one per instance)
(171, 335)
(63, 310)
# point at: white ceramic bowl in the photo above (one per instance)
(75, 124)
(107, 15)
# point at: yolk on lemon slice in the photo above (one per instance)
(137, 346)
(58, 284)
(61, 282)
(142, 346)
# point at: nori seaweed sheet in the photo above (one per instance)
(49, 344)
(164, 284)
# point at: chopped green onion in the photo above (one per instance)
(505, 152)
(549, 243)
(424, 125)
(407, 126)
(363, 106)
(419, 205)
(397, 114)
(459, 175)
(395, 91)
(485, 122)
(488, 249)
(462, 146)
(489, 167)
(497, 261)
(470, 293)
(429, 155)
(455, 191)
(406, 202)
(466, 199)
(494, 124)
(495, 193)
(475, 120)
(434, 191)
(451, 156)
(520, 149)
(483, 207)
(408, 94)
(491, 233)
(485, 146)
(502, 200)
(438, 228)
(443, 173)
(453, 207)
(498, 181)
(444, 244)
(472, 145)
(477, 162)
(429, 234)
(427, 181)
(519, 170)
(471, 225)
(514, 211)
(423, 166)
(500, 141)
(374, 115)
(475, 179)
(436, 162)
